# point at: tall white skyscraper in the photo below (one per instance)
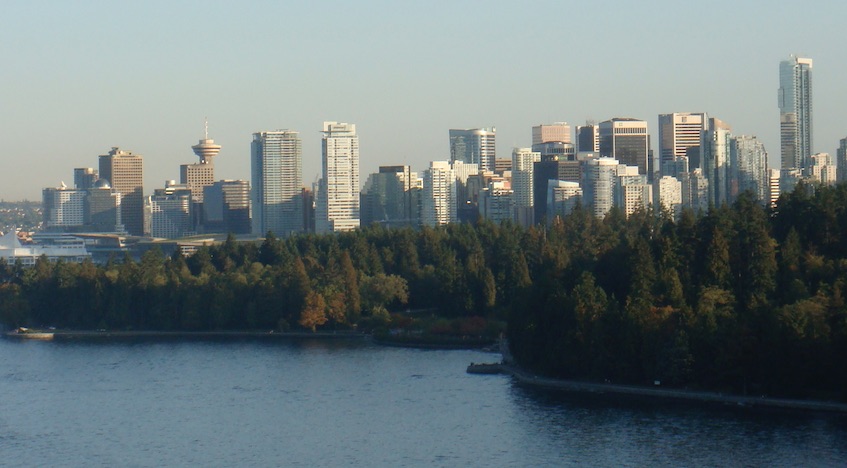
(715, 151)
(474, 146)
(670, 195)
(277, 170)
(438, 202)
(338, 195)
(523, 160)
(599, 184)
(795, 112)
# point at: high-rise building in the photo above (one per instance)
(438, 201)
(821, 169)
(551, 167)
(599, 184)
(670, 195)
(85, 177)
(559, 131)
(562, 198)
(716, 158)
(626, 140)
(841, 160)
(277, 176)
(497, 202)
(338, 195)
(588, 138)
(169, 210)
(695, 190)
(632, 192)
(774, 186)
(103, 208)
(795, 112)
(226, 206)
(474, 146)
(387, 197)
(749, 167)
(680, 133)
(125, 173)
(522, 172)
(63, 207)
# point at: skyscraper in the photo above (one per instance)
(599, 184)
(124, 172)
(276, 166)
(522, 184)
(749, 166)
(338, 196)
(588, 138)
(226, 206)
(474, 146)
(626, 140)
(716, 158)
(841, 160)
(387, 197)
(795, 112)
(680, 133)
(559, 131)
(85, 177)
(438, 201)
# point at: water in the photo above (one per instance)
(352, 403)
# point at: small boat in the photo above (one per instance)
(485, 368)
(29, 334)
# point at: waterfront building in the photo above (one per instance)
(338, 195)
(67, 249)
(841, 160)
(169, 211)
(103, 208)
(680, 136)
(795, 112)
(276, 163)
(438, 201)
(474, 146)
(63, 207)
(544, 133)
(821, 169)
(749, 167)
(125, 173)
(226, 207)
(626, 140)
(85, 177)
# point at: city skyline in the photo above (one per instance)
(68, 92)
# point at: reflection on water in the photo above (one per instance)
(331, 403)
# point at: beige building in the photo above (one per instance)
(559, 131)
(124, 172)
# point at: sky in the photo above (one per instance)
(78, 78)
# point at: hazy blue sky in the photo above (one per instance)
(77, 78)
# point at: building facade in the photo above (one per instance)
(680, 135)
(795, 112)
(626, 140)
(276, 163)
(438, 201)
(338, 193)
(474, 146)
(124, 172)
(749, 167)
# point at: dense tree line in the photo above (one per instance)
(740, 298)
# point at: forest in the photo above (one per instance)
(741, 298)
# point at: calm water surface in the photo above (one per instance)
(352, 403)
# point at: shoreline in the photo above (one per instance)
(576, 386)
(58, 335)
